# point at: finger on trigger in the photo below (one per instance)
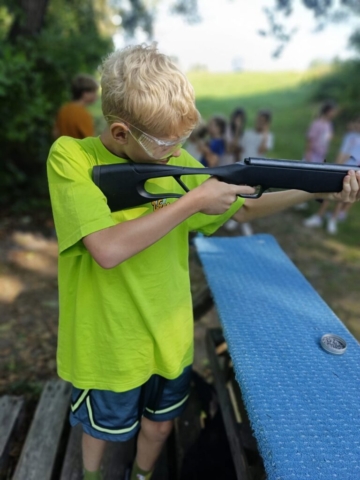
(245, 189)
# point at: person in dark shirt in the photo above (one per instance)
(215, 148)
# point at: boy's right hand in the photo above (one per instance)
(215, 197)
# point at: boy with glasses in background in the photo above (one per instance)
(126, 325)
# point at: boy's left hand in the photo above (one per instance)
(350, 192)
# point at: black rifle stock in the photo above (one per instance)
(123, 184)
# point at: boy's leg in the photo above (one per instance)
(92, 451)
(151, 439)
(104, 416)
(166, 401)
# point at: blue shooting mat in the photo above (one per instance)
(303, 403)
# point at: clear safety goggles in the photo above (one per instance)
(155, 148)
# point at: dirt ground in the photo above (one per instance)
(29, 302)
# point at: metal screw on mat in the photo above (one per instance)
(333, 344)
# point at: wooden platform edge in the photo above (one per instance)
(42, 442)
(237, 451)
(11, 409)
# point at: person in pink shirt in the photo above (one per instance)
(320, 134)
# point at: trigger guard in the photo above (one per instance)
(155, 196)
(254, 195)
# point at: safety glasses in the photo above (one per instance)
(155, 148)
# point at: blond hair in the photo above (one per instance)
(142, 86)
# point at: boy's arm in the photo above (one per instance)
(342, 158)
(111, 246)
(346, 146)
(266, 142)
(263, 147)
(275, 202)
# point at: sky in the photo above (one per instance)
(227, 37)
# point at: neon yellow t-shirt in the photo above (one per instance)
(117, 327)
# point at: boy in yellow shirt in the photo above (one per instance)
(73, 119)
(126, 327)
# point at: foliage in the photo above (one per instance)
(324, 11)
(342, 85)
(43, 44)
(35, 73)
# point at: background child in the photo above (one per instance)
(349, 154)
(258, 141)
(320, 134)
(235, 133)
(255, 143)
(214, 149)
(73, 118)
(195, 142)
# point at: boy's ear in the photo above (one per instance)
(119, 132)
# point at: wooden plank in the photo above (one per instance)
(72, 466)
(248, 441)
(231, 427)
(10, 417)
(42, 442)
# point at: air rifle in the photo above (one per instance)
(123, 184)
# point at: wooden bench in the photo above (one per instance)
(302, 402)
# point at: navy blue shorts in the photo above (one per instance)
(116, 416)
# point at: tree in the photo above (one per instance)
(28, 17)
(341, 84)
(324, 11)
(43, 44)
